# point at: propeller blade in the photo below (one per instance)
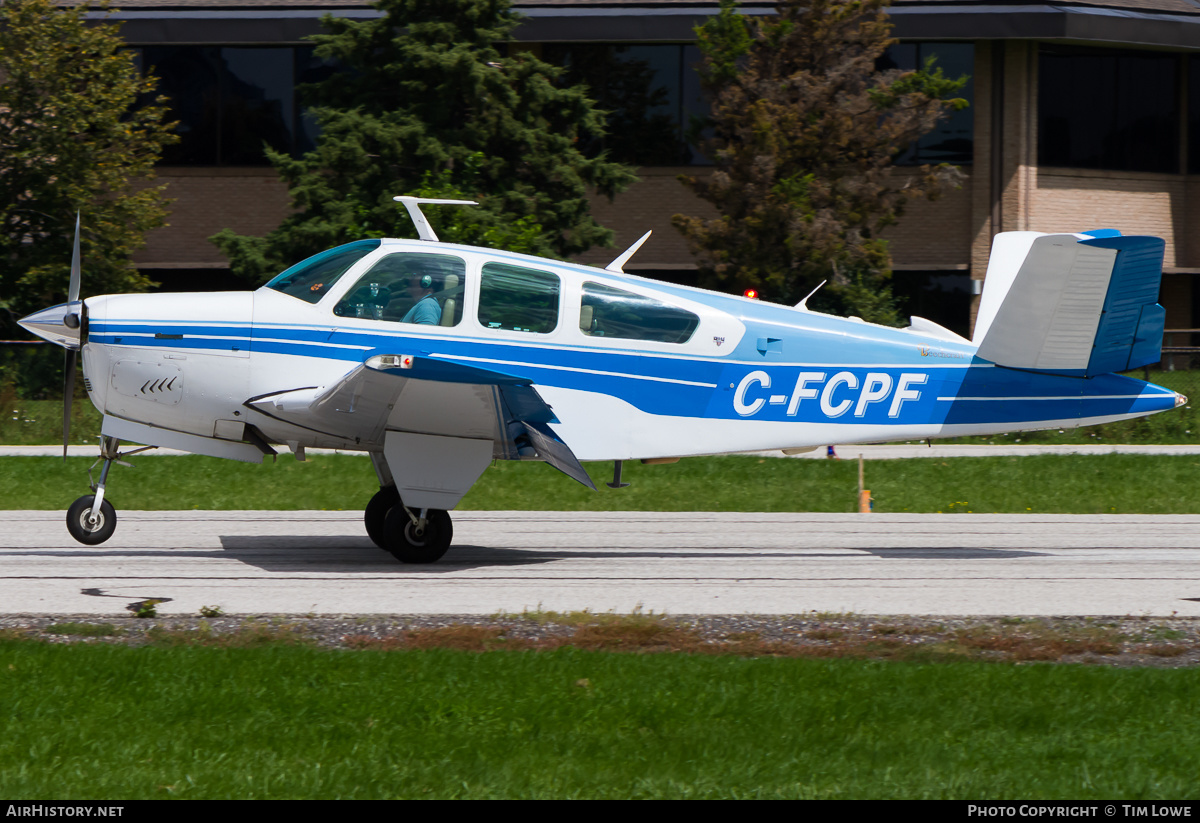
(73, 290)
(69, 362)
(68, 396)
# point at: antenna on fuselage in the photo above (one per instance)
(615, 266)
(802, 303)
(413, 204)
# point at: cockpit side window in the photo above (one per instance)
(513, 298)
(310, 279)
(609, 312)
(409, 287)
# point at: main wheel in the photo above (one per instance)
(83, 528)
(386, 499)
(403, 541)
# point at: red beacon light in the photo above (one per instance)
(750, 293)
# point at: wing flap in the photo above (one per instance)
(527, 419)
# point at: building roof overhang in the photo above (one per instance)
(1136, 23)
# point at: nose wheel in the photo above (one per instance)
(91, 519)
(91, 527)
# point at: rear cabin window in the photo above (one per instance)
(409, 287)
(310, 279)
(518, 299)
(609, 312)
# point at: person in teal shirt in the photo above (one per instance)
(425, 310)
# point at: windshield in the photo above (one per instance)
(311, 279)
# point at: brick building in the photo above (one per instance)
(1083, 115)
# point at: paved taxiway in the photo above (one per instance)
(680, 563)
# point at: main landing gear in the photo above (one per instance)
(91, 519)
(411, 536)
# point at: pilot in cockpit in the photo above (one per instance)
(425, 310)
(401, 288)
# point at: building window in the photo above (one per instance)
(652, 94)
(941, 296)
(1108, 109)
(231, 102)
(1193, 109)
(953, 139)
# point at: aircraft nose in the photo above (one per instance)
(58, 324)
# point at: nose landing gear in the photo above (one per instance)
(91, 519)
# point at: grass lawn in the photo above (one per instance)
(96, 721)
(1096, 484)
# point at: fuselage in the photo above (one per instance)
(632, 368)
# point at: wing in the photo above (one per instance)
(429, 396)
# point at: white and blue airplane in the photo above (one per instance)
(436, 359)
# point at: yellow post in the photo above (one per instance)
(864, 495)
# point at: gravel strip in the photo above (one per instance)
(1116, 641)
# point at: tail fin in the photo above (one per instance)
(1074, 304)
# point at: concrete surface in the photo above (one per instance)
(680, 563)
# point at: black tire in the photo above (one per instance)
(376, 514)
(91, 534)
(407, 546)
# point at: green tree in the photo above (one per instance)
(638, 128)
(804, 131)
(72, 139)
(426, 102)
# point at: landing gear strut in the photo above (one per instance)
(411, 536)
(91, 519)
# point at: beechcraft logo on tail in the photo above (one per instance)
(926, 351)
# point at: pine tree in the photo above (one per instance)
(72, 139)
(425, 102)
(804, 133)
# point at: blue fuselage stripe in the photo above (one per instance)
(868, 388)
